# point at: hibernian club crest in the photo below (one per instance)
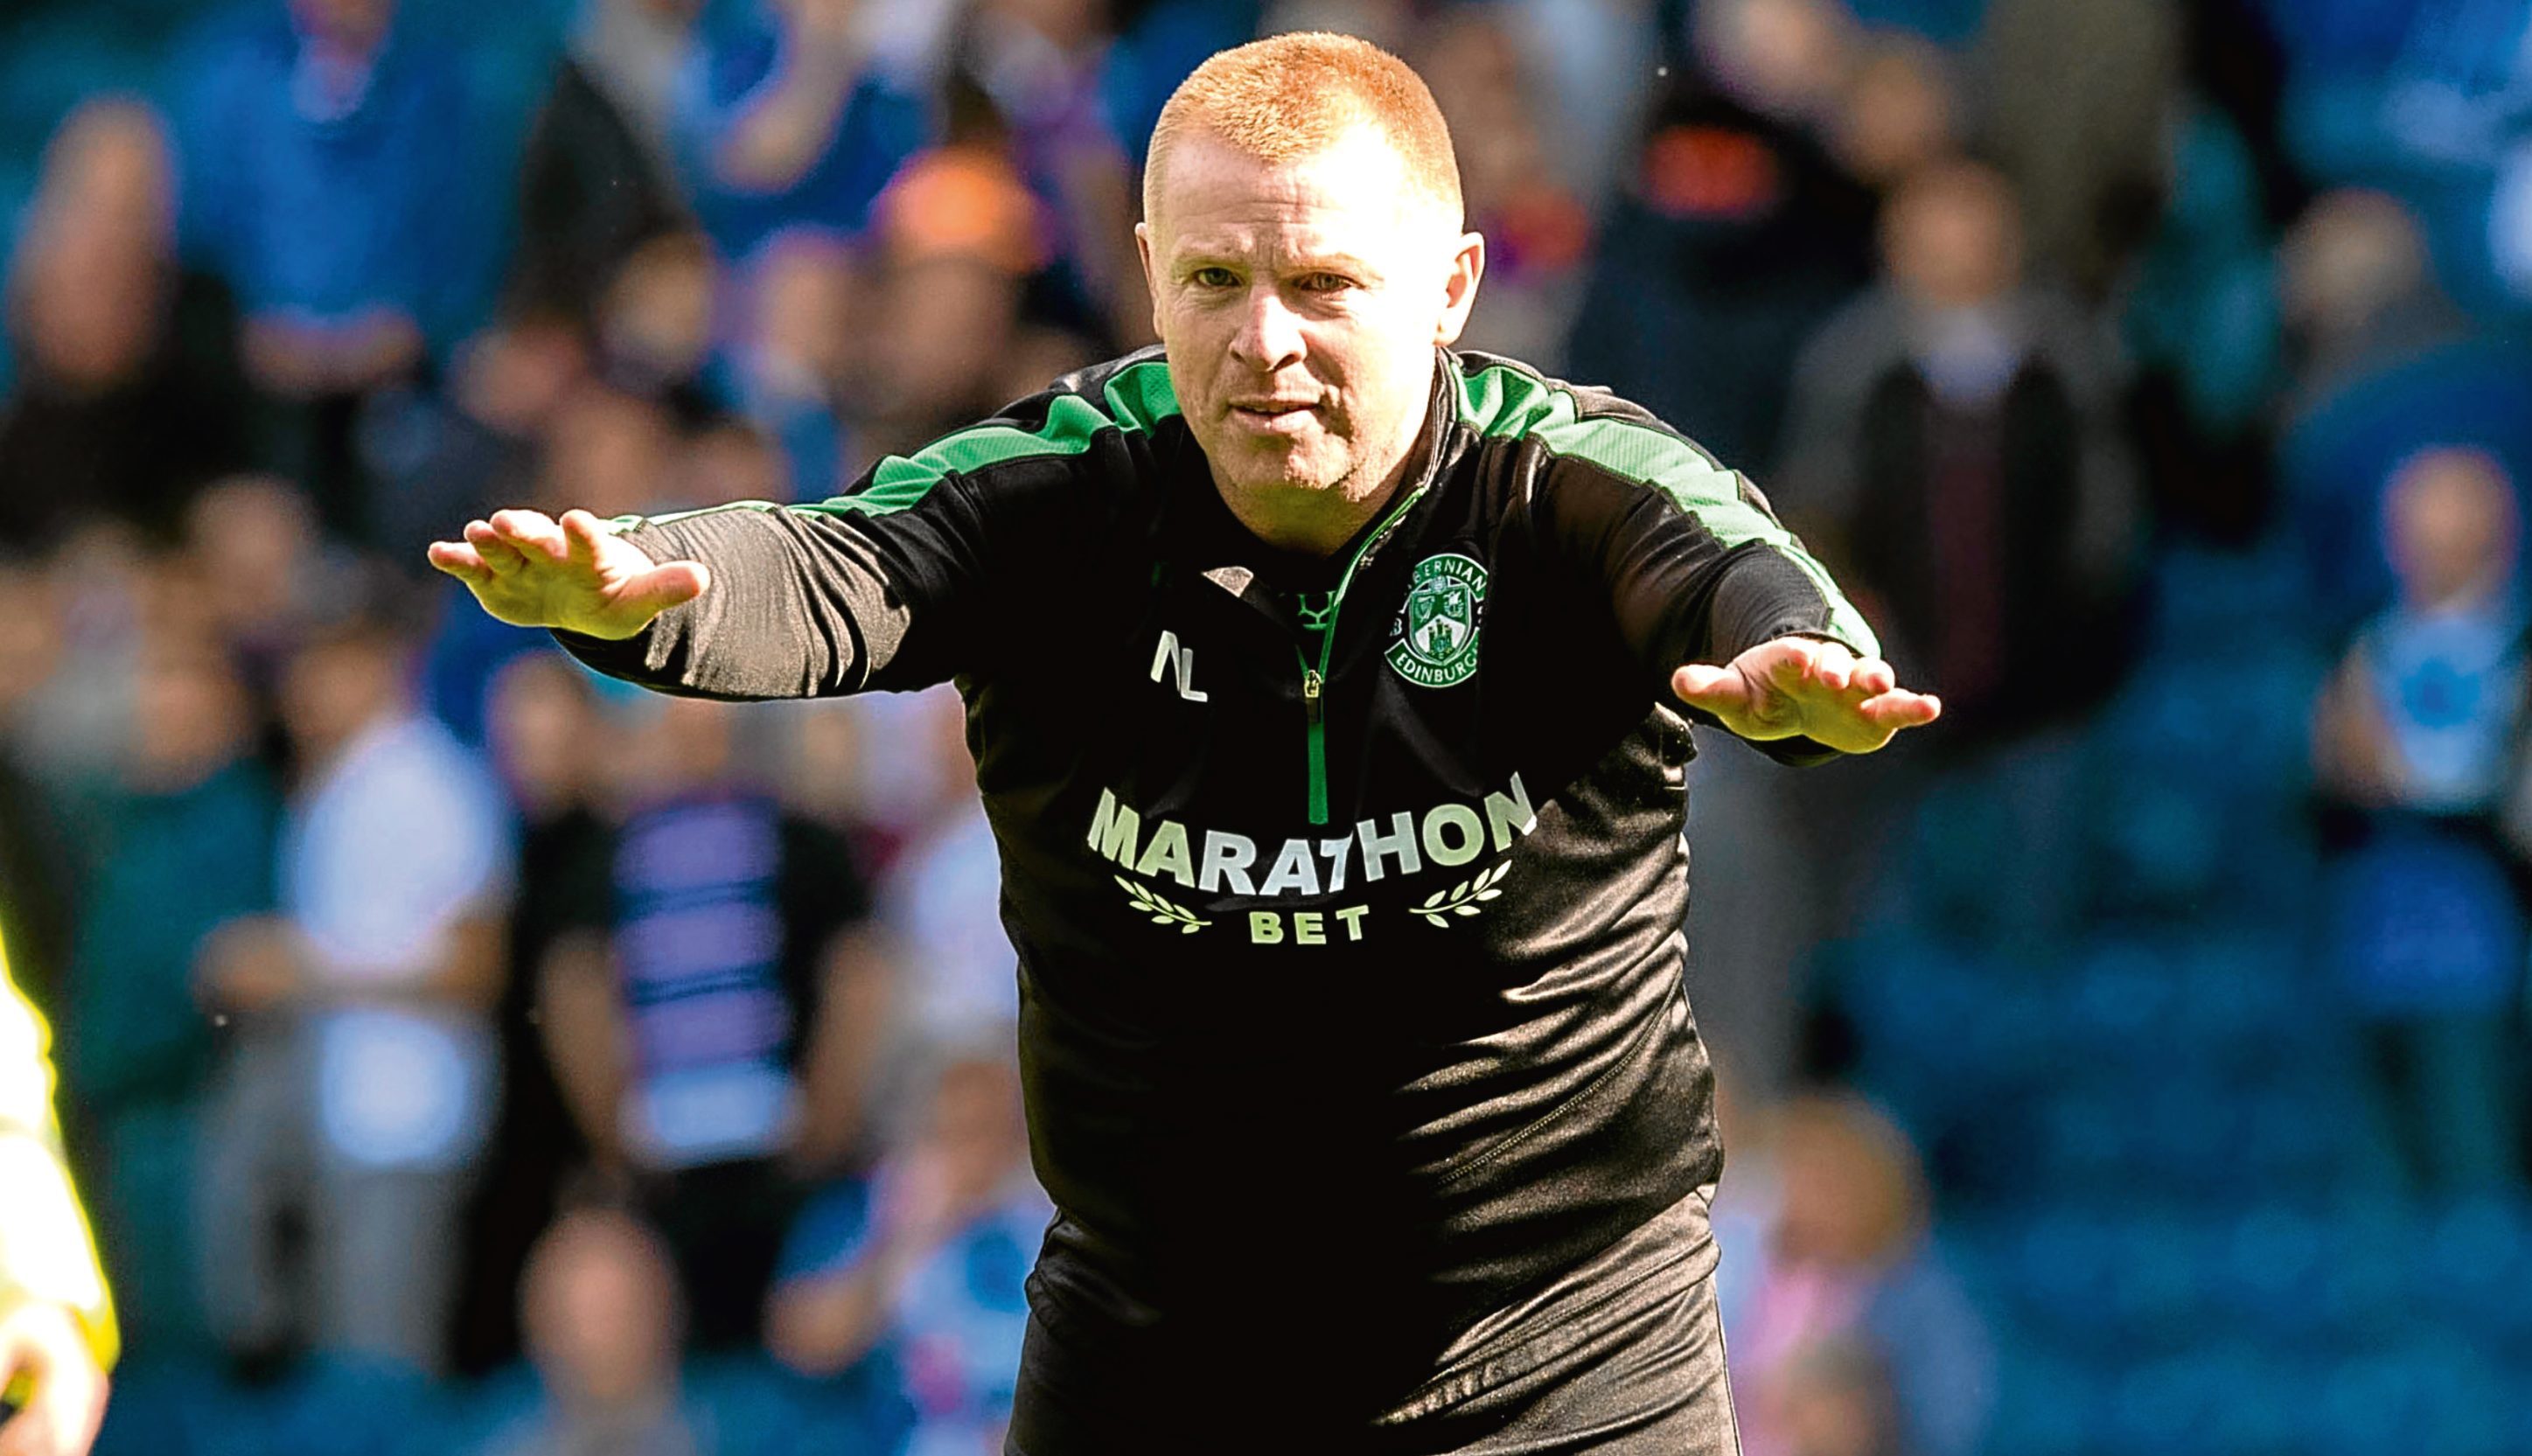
(1433, 642)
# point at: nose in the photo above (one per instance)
(1270, 333)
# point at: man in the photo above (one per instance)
(57, 1331)
(1352, 1032)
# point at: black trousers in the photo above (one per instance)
(1622, 1358)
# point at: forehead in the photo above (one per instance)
(1351, 196)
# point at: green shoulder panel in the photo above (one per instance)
(1504, 401)
(1137, 397)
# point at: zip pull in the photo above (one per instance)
(1312, 685)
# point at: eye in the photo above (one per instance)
(1212, 277)
(1323, 283)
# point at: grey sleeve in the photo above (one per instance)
(806, 602)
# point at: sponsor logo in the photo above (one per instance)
(1433, 639)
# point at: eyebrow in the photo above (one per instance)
(1192, 256)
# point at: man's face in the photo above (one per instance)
(1300, 302)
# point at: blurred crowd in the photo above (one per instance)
(467, 1054)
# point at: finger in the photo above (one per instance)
(584, 533)
(501, 557)
(1873, 677)
(1900, 708)
(1827, 664)
(1709, 687)
(459, 560)
(532, 532)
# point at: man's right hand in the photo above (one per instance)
(530, 570)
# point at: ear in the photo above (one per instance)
(1151, 280)
(1460, 287)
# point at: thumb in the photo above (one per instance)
(1709, 687)
(671, 584)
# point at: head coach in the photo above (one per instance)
(1331, 692)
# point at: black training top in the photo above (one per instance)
(1348, 894)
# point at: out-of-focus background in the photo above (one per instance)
(465, 1055)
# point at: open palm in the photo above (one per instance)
(1800, 686)
(531, 570)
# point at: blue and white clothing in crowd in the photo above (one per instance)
(954, 1331)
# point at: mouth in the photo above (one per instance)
(1273, 415)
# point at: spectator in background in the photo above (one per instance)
(1042, 64)
(357, 1080)
(599, 176)
(926, 1257)
(126, 392)
(944, 892)
(478, 439)
(1955, 442)
(2416, 734)
(714, 1010)
(2359, 294)
(2078, 102)
(548, 743)
(1733, 242)
(601, 1308)
(1834, 1399)
(655, 323)
(189, 828)
(785, 119)
(789, 373)
(1848, 1259)
(328, 177)
(1538, 233)
(2383, 367)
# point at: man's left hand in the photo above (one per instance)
(42, 1342)
(1807, 687)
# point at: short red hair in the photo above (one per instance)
(1289, 96)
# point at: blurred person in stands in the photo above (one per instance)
(601, 1308)
(945, 329)
(548, 743)
(1735, 229)
(187, 834)
(790, 371)
(655, 323)
(1834, 1399)
(1956, 445)
(480, 437)
(357, 1079)
(260, 571)
(940, 897)
(2358, 290)
(125, 395)
(786, 115)
(2414, 739)
(599, 178)
(330, 178)
(57, 1326)
(1540, 231)
(1849, 1258)
(1042, 66)
(714, 1008)
(1955, 442)
(1900, 111)
(926, 1257)
(2078, 102)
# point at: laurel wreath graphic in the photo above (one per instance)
(1162, 912)
(1462, 898)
